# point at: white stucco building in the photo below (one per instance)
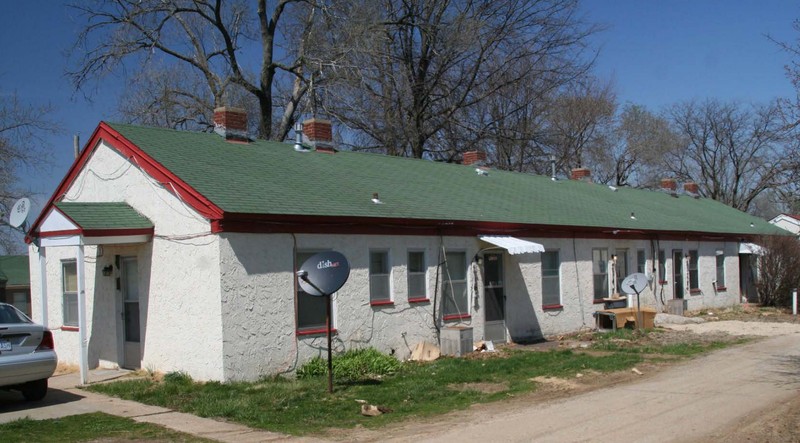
(788, 222)
(177, 251)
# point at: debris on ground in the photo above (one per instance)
(361, 401)
(374, 411)
(425, 351)
(636, 371)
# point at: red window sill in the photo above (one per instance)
(456, 317)
(721, 289)
(663, 282)
(598, 302)
(381, 303)
(315, 331)
(695, 291)
(552, 307)
(70, 328)
(419, 300)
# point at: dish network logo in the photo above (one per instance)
(325, 264)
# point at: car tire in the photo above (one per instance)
(35, 390)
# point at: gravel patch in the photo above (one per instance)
(669, 319)
(736, 327)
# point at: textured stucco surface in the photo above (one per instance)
(178, 277)
(258, 294)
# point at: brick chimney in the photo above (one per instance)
(691, 188)
(318, 133)
(669, 185)
(473, 157)
(231, 123)
(583, 174)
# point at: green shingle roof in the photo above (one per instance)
(14, 270)
(272, 178)
(104, 215)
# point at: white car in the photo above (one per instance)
(27, 354)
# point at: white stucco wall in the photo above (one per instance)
(258, 299)
(258, 294)
(181, 321)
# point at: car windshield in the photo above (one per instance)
(10, 315)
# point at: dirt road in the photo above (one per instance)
(700, 400)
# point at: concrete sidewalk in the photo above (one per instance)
(64, 398)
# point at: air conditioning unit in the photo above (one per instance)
(456, 341)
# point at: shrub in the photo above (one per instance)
(178, 378)
(778, 270)
(353, 365)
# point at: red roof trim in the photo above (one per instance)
(117, 232)
(133, 153)
(62, 233)
(314, 224)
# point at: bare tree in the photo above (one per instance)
(22, 146)
(638, 143)
(778, 269)
(188, 56)
(734, 152)
(409, 76)
(581, 122)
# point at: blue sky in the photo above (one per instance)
(656, 53)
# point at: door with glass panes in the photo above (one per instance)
(494, 297)
(131, 327)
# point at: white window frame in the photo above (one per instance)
(557, 277)
(72, 294)
(604, 268)
(424, 274)
(720, 282)
(310, 330)
(388, 275)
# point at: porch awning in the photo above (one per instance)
(513, 245)
(73, 223)
(750, 248)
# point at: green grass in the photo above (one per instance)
(630, 342)
(88, 427)
(303, 406)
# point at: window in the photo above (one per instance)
(310, 309)
(379, 271)
(621, 268)
(455, 302)
(600, 272)
(641, 262)
(416, 276)
(694, 283)
(662, 266)
(551, 288)
(69, 284)
(720, 271)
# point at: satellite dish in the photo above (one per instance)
(324, 273)
(19, 213)
(634, 283)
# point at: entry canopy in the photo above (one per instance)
(750, 248)
(513, 245)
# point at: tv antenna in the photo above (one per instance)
(320, 276)
(18, 218)
(635, 284)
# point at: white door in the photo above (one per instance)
(132, 349)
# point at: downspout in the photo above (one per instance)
(84, 344)
(43, 283)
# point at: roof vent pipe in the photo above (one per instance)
(553, 167)
(298, 138)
